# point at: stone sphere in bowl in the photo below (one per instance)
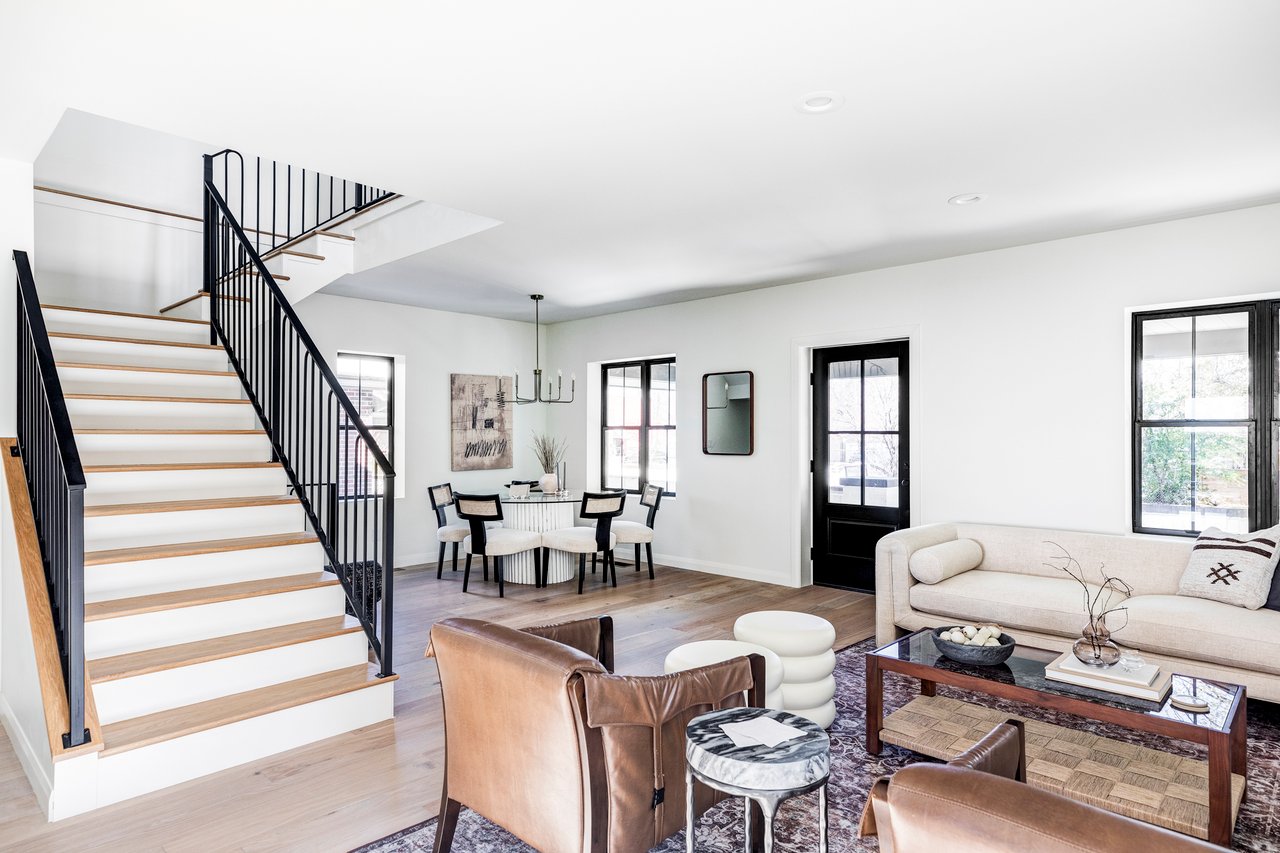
(979, 655)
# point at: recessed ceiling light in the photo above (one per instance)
(967, 198)
(820, 102)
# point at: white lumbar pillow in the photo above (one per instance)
(939, 562)
(1233, 568)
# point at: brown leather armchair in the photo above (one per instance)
(544, 740)
(979, 802)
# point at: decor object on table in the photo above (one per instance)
(1095, 647)
(1143, 681)
(550, 452)
(637, 534)
(481, 424)
(537, 366)
(852, 776)
(980, 801)
(1233, 568)
(766, 773)
(984, 646)
(702, 652)
(1012, 586)
(499, 686)
(518, 491)
(728, 413)
(804, 642)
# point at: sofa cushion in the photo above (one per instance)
(1200, 629)
(1233, 568)
(939, 562)
(1011, 600)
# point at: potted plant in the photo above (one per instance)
(550, 452)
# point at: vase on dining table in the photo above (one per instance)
(549, 483)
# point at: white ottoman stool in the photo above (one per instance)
(804, 642)
(703, 652)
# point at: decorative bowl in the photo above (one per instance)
(979, 655)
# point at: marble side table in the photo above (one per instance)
(761, 774)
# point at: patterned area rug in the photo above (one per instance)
(853, 771)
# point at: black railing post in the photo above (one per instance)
(359, 196)
(210, 251)
(277, 359)
(74, 618)
(388, 566)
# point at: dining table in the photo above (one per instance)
(540, 513)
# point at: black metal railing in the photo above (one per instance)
(334, 465)
(278, 205)
(55, 481)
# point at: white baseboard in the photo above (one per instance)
(37, 774)
(723, 569)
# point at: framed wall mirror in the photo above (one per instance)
(728, 413)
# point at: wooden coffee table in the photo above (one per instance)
(1139, 782)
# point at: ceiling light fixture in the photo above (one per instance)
(537, 368)
(967, 198)
(820, 102)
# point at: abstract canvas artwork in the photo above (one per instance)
(480, 421)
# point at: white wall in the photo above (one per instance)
(1019, 377)
(434, 344)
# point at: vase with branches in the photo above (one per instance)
(1094, 648)
(550, 452)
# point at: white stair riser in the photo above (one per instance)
(196, 309)
(111, 352)
(126, 698)
(111, 325)
(164, 528)
(142, 448)
(83, 380)
(146, 577)
(139, 771)
(150, 414)
(119, 487)
(107, 637)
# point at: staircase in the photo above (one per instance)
(212, 633)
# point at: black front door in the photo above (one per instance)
(860, 473)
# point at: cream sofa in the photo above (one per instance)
(1040, 606)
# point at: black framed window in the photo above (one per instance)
(369, 381)
(1204, 418)
(638, 425)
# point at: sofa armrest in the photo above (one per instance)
(592, 636)
(1002, 752)
(893, 573)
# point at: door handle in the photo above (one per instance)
(904, 483)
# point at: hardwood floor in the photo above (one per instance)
(352, 789)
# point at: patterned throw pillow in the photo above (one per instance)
(1234, 568)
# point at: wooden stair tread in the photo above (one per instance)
(175, 466)
(200, 294)
(123, 314)
(310, 255)
(253, 272)
(178, 599)
(169, 432)
(190, 719)
(191, 549)
(136, 368)
(337, 235)
(217, 648)
(144, 341)
(187, 505)
(148, 398)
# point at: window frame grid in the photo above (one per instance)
(646, 366)
(345, 428)
(1260, 468)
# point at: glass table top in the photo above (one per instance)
(540, 498)
(1026, 668)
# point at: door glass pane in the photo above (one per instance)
(881, 375)
(844, 469)
(882, 469)
(662, 458)
(1222, 367)
(1166, 368)
(1193, 478)
(844, 395)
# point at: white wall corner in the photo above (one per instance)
(39, 768)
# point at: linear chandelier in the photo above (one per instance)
(537, 368)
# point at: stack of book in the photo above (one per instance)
(1146, 682)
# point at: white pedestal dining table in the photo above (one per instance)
(540, 513)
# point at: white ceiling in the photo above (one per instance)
(650, 152)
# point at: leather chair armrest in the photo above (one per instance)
(1002, 752)
(592, 636)
(878, 794)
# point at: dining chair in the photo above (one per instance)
(603, 508)
(635, 533)
(441, 499)
(497, 542)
